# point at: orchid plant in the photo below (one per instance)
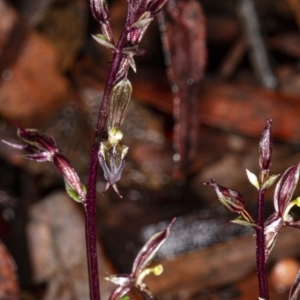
(107, 149)
(266, 231)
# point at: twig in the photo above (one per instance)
(259, 55)
(183, 33)
(232, 59)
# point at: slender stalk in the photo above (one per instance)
(260, 248)
(90, 204)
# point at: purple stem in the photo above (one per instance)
(90, 204)
(260, 248)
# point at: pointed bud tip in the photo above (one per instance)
(172, 222)
(212, 183)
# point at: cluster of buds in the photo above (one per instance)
(43, 148)
(112, 153)
(265, 152)
(140, 15)
(140, 268)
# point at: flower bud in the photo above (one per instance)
(265, 148)
(99, 10)
(74, 186)
(232, 200)
(120, 99)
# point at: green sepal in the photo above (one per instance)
(73, 194)
(100, 38)
(132, 63)
(269, 182)
(125, 297)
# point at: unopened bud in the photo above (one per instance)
(265, 148)
(99, 10)
(231, 199)
(74, 186)
(120, 99)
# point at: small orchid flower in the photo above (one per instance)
(112, 153)
(112, 160)
(43, 148)
(40, 147)
(140, 268)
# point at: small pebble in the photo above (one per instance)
(283, 274)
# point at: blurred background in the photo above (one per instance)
(212, 74)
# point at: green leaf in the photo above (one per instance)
(252, 178)
(241, 221)
(141, 23)
(125, 297)
(132, 50)
(99, 38)
(270, 181)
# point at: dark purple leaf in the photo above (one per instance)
(295, 289)
(265, 148)
(272, 226)
(148, 251)
(285, 189)
(295, 224)
(119, 292)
